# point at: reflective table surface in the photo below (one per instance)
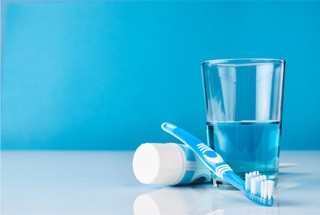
(102, 182)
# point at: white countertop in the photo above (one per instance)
(102, 182)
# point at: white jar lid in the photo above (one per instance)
(158, 163)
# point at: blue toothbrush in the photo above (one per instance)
(255, 187)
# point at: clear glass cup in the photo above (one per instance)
(243, 107)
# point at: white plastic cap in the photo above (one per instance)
(155, 163)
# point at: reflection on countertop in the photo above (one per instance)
(204, 199)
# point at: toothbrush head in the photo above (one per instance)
(258, 188)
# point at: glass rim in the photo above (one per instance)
(242, 61)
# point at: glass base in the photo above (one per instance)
(223, 185)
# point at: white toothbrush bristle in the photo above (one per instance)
(257, 184)
(270, 185)
(246, 181)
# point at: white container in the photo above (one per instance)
(169, 164)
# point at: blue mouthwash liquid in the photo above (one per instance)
(247, 145)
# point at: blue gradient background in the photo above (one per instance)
(105, 75)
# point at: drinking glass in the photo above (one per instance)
(243, 110)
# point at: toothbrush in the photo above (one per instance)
(255, 187)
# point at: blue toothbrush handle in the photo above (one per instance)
(207, 155)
